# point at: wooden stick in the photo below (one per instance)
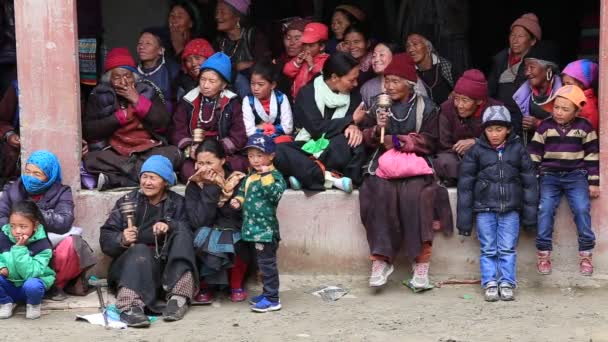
(382, 135)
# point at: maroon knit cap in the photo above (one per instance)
(472, 84)
(119, 57)
(402, 65)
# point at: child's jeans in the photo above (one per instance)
(31, 292)
(498, 235)
(267, 263)
(575, 186)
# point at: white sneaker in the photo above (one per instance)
(6, 310)
(380, 272)
(32, 311)
(420, 279)
(343, 183)
(101, 181)
(491, 294)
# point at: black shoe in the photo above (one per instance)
(174, 312)
(135, 317)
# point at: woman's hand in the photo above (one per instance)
(4, 272)
(160, 228)
(343, 47)
(354, 136)
(208, 176)
(129, 236)
(309, 60)
(462, 146)
(382, 118)
(128, 92)
(235, 204)
(300, 58)
(529, 122)
(594, 191)
(360, 113)
(240, 66)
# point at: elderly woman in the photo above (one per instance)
(214, 109)
(535, 97)
(41, 183)
(123, 124)
(460, 123)
(194, 55)
(436, 73)
(329, 142)
(207, 202)
(151, 248)
(154, 67)
(399, 208)
(185, 24)
(508, 69)
(242, 43)
(10, 142)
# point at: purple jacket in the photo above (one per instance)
(523, 95)
(56, 205)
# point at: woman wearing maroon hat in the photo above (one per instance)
(460, 123)
(123, 123)
(194, 55)
(400, 210)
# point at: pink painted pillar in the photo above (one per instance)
(49, 97)
(600, 206)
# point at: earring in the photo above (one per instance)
(549, 74)
(238, 24)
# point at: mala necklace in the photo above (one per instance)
(407, 115)
(200, 111)
(146, 74)
(236, 46)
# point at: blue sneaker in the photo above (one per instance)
(256, 299)
(294, 183)
(265, 305)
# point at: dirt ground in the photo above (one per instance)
(451, 313)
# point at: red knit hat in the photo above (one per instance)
(119, 57)
(473, 84)
(199, 47)
(402, 65)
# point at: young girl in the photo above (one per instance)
(267, 110)
(583, 74)
(25, 253)
(498, 184)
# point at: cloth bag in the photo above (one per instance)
(394, 164)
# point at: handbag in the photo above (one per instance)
(394, 164)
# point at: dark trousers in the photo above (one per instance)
(267, 263)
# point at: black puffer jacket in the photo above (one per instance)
(490, 182)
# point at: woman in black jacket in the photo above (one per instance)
(497, 184)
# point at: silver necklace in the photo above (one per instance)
(409, 111)
(146, 74)
(200, 111)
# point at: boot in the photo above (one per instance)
(543, 262)
(585, 263)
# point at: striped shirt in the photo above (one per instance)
(559, 148)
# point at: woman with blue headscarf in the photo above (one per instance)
(41, 182)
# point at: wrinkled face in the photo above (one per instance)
(520, 40)
(313, 48)
(209, 161)
(496, 135)
(148, 48)
(225, 18)
(151, 184)
(211, 83)
(257, 158)
(567, 80)
(465, 106)
(292, 43)
(535, 72)
(261, 88)
(356, 44)
(179, 19)
(417, 48)
(381, 58)
(36, 172)
(564, 110)
(397, 88)
(193, 65)
(339, 24)
(22, 225)
(346, 83)
(121, 78)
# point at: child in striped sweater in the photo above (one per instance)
(565, 149)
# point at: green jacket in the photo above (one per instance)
(259, 196)
(29, 261)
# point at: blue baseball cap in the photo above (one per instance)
(261, 142)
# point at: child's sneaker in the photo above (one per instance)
(6, 310)
(380, 272)
(506, 292)
(585, 263)
(294, 183)
(32, 311)
(491, 294)
(238, 295)
(543, 262)
(420, 280)
(265, 305)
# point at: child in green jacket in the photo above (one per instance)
(25, 254)
(259, 197)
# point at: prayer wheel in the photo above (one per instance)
(383, 103)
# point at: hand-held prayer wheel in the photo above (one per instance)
(127, 208)
(198, 135)
(384, 103)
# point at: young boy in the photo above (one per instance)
(259, 197)
(566, 151)
(498, 184)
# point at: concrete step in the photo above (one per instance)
(322, 234)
